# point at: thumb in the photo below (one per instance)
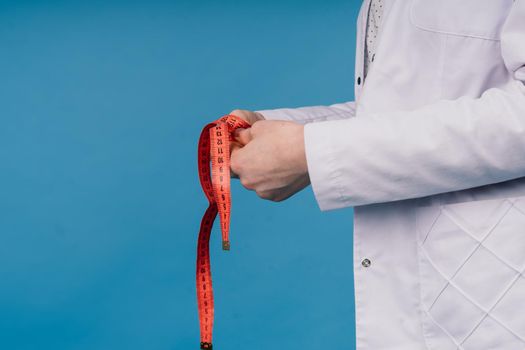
(243, 136)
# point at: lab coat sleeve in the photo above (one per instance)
(310, 114)
(442, 147)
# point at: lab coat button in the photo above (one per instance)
(358, 80)
(366, 263)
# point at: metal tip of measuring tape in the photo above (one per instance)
(205, 345)
(225, 245)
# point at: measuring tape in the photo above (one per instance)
(214, 146)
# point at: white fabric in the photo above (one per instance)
(432, 158)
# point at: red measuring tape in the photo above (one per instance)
(214, 146)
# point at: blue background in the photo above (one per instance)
(101, 104)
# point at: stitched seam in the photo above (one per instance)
(466, 296)
(509, 265)
(338, 184)
(518, 209)
(444, 330)
(359, 286)
(449, 280)
(481, 243)
(488, 313)
(433, 30)
(421, 306)
(433, 224)
(335, 174)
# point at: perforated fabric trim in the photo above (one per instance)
(506, 215)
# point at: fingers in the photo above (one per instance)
(243, 136)
(248, 116)
(234, 147)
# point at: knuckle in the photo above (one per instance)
(256, 127)
(246, 183)
(242, 179)
(235, 165)
(241, 113)
(264, 195)
(236, 172)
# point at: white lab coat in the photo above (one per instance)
(431, 155)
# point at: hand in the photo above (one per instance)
(270, 159)
(248, 116)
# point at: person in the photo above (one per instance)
(431, 155)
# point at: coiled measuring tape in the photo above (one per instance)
(214, 146)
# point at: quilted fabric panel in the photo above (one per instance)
(472, 265)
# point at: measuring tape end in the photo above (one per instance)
(207, 346)
(225, 245)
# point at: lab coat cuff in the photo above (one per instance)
(275, 114)
(323, 169)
